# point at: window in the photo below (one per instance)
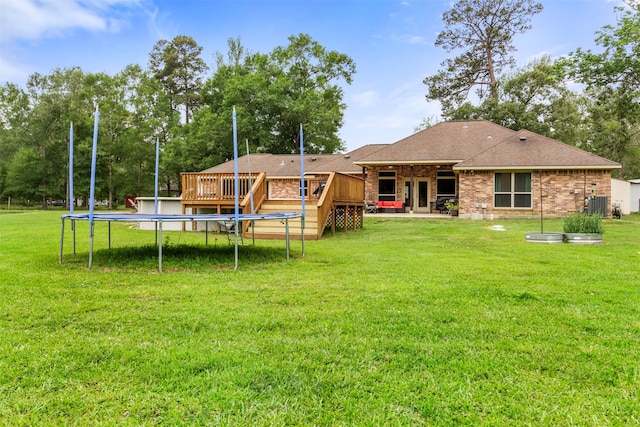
(387, 186)
(446, 183)
(306, 188)
(512, 190)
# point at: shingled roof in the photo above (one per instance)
(468, 145)
(288, 165)
(528, 150)
(280, 165)
(444, 143)
(344, 163)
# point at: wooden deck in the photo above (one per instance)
(340, 206)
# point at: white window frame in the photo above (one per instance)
(512, 191)
(446, 176)
(386, 196)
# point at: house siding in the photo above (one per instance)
(289, 188)
(559, 196)
(476, 188)
(284, 189)
(403, 173)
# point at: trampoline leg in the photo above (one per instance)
(73, 231)
(286, 228)
(90, 245)
(236, 249)
(61, 242)
(159, 230)
(302, 233)
(109, 234)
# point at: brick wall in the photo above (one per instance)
(284, 189)
(402, 172)
(563, 192)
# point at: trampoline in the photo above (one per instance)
(157, 218)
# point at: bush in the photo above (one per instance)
(582, 223)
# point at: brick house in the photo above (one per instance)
(489, 169)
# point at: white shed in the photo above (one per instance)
(166, 206)
(635, 195)
(620, 194)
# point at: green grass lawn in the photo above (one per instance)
(406, 322)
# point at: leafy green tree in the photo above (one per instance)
(484, 31)
(613, 118)
(108, 92)
(303, 90)
(14, 113)
(44, 136)
(619, 62)
(177, 65)
(237, 82)
(273, 94)
(178, 68)
(137, 158)
(612, 78)
(536, 98)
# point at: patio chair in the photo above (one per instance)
(229, 228)
(318, 191)
(371, 207)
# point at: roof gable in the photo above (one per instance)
(528, 150)
(446, 142)
(344, 163)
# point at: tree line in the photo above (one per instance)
(173, 102)
(586, 99)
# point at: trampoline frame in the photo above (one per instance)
(236, 217)
(159, 219)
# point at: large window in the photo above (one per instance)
(512, 190)
(446, 183)
(387, 186)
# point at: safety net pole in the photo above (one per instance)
(92, 186)
(236, 184)
(304, 196)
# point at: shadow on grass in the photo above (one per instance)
(178, 257)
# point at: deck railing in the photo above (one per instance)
(340, 189)
(197, 187)
(259, 193)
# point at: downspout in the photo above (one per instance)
(584, 190)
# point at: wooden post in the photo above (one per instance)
(333, 219)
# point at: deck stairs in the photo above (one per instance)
(276, 229)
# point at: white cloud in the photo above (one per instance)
(30, 19)
(367, 98)
(158, 26)
(33, 19)
(408, 38)
(11, 70)
(394, 116)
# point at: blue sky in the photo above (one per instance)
(391, 42)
